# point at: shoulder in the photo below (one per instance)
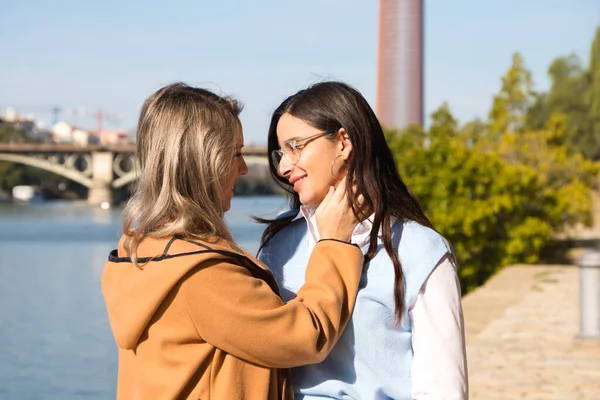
(414, 237)
(218, 277)
(219, 261)
(295, 226)
(289, 213)
(285, 241)
(420, 250)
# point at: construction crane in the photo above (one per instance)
(102, 116)
(56, 112)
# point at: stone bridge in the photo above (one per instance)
(102, 169)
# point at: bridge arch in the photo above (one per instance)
(125, 179)
(61, 170)
(104, 172)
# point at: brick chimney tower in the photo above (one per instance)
(400, 63)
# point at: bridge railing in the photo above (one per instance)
(70, 148)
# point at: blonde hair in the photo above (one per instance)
(185, 148)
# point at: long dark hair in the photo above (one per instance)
(330, 106)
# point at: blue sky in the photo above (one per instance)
(113, 54)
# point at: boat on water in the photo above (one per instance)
(26, 193)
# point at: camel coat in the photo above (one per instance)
(203, 320)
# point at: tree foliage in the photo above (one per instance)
(593, 94)
(510, 105)
(12, 174)
(498, 190)
(574, 92)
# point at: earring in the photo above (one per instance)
(333, 163)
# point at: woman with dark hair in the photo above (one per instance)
(405, 339)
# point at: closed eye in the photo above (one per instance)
(291, 147)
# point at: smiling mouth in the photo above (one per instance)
(293, 180)
(296, 182)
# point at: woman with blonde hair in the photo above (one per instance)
(194, 316)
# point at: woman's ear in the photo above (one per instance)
(345, 144)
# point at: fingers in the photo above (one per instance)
(328, 196)
(325, 203)
(340, 191)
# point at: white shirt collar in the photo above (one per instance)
(360, 236)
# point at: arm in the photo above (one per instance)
(241, 315)
(439, 369)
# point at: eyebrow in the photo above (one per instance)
(294, 139)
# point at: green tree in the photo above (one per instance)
(500, 189)
(593, 95)
(498, 198)
(12, 133)
(567, 95)
(510, 105)
(574, 92)
(12, 174)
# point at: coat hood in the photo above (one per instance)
(133, 294)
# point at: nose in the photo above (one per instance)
(243, 167)
(285, 167)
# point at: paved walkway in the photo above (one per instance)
(521, 330)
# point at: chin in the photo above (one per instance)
(311, 200)
(226, 205)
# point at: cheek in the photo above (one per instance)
(319, 174)
(235, 173)
(317, 164)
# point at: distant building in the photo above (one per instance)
(10, 115)
(27, 125)
(19, 122)
(66, 133)
(62, 132)
(113, 137)
(41, 135)
(84, 138)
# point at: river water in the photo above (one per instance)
(55, 340)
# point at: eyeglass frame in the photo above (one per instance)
(296, 147)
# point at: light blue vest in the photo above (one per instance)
(373, 357)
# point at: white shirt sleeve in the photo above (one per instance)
(439, 369)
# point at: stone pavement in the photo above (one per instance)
(521, 329)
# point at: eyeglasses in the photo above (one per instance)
(292, 149)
